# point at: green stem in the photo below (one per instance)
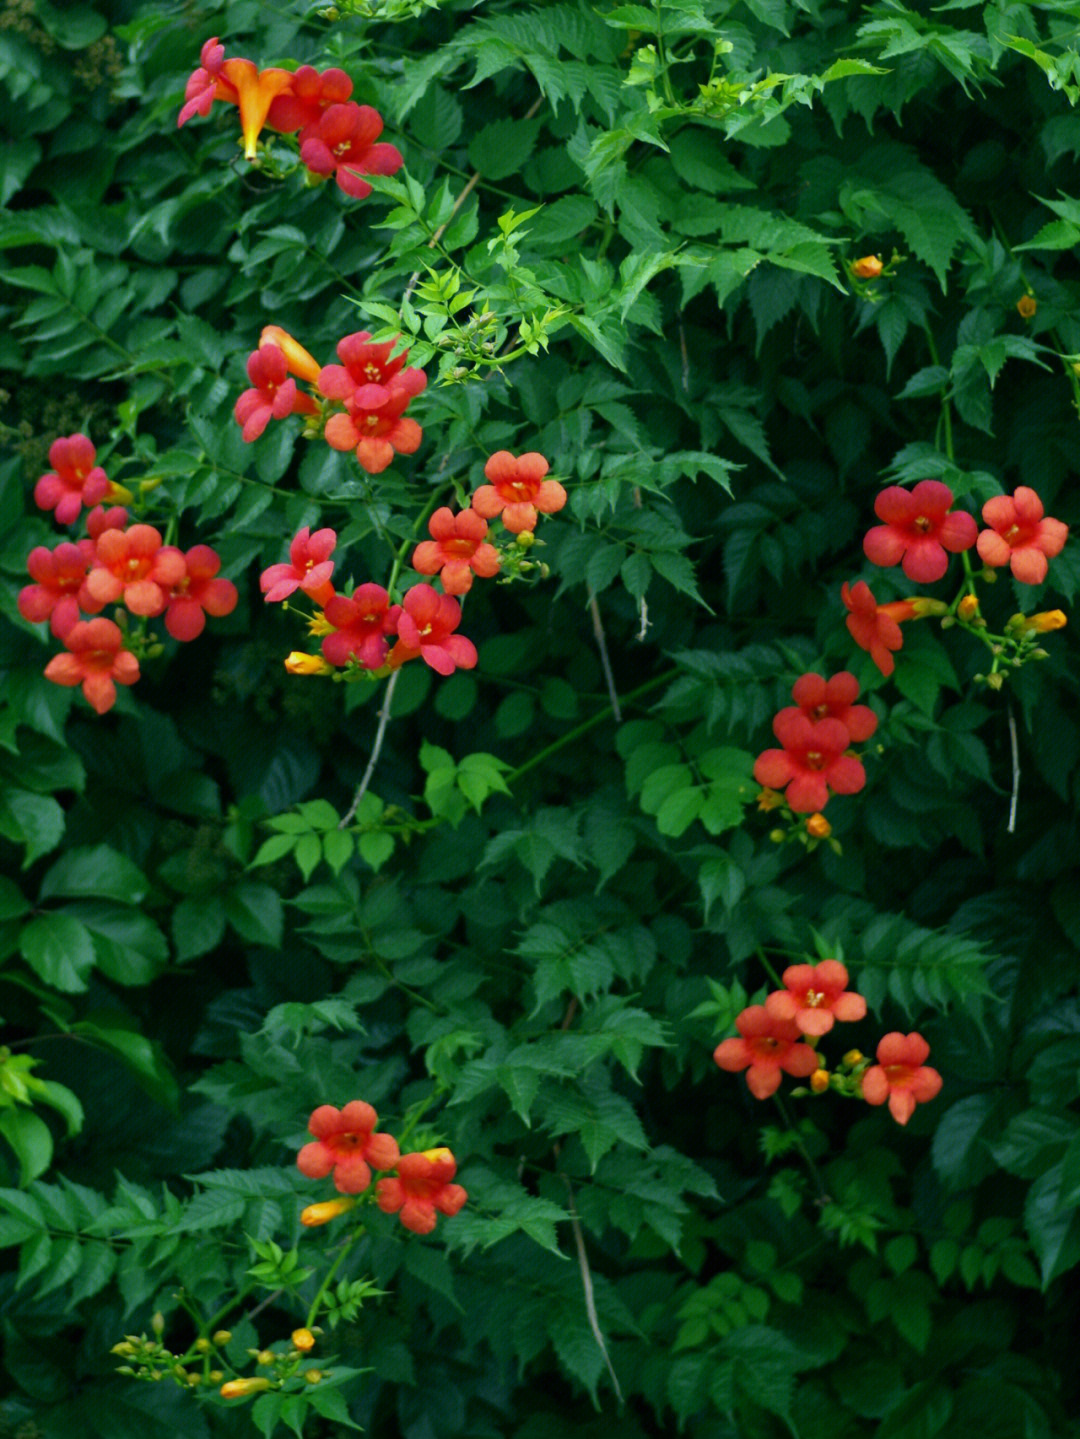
(414, 1116)
(410, 539)
(313, 1312)
(769, 969)
(946, 408)
(587, 725)
(815, 1173)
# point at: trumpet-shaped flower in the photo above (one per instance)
(198, 593)
(309, 568)
(361, 625)
(818, 699)
(96, 660)
(765, 1046)
(298, 361)
(919, 528)
(347, 1145)
(58, 576)
(341, 142)
(518, 491)
(421, 1188)
(812, 762)
(135, 567)
(273, 394)
(901, 1075)
(876, 627)
(815, 996)
(425, 627)
(74, 480)
(1020, 535)
(238, 82)
(456, 550)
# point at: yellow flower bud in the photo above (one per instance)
(968, 607)
(313, 1376)
(818, 827)
(852, 1058)
(1026, 306)
(869, 267)
(437, 1156)
(265, 1357)
(922, 606)
(1045, 621)
(221, 1336)
(819, 1081)
(116, 494)
(316, 1214)
(202, 1345)
(241, 1388)
(145, 486)
(303, 1339)
(299, 663)
(157, 1324)
(216, 1376)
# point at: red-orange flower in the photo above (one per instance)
(1019, 535)
(425, 627)
(58, 574)
(346, 1144)
(814, 996)
(457, 549)
(766, 1045)
(819, 699)
(376, 391)
(273, 394)
(197, 594)
(919, 527)
(341, 142)
(74, 480)
(309, 95)
(876, 627)
(812, 761)
(239, 82)
(422, 1187)
(133, 566)
(300, 362)
(518, 491)
(309, 568)
(361, 624)
(96, 660)
(901, 1075)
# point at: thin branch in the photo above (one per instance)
(645, 621)
(601, 644)
(587, 1286)
(1014, 746)
(376, 750)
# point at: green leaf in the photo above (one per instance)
(501, 148)
(95, 872)
(255, 911)
(29, 1137)
(59, 949)
(198, 926)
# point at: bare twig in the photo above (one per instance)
(645, 621)
(1014, 746)
(376, 750)
(587, 1286)
(685, 359)
(601, 644)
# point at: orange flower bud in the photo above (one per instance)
(819, 1081)
(316, 1214)
(968, 607)
(299, 663)
(1026, 306)
(303, 1339)
(241, 1388)
(869, 267)
(301, 364)
(1045, 621)
(818, 827)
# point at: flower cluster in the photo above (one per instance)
(816, 734)
(335, 136)
(347, 1145)
(114, 564)
(781, 1035)
(365, 631)
(359, 405)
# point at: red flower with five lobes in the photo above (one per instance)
(814, 996)
(901, 1075)
(457, 549)
(361, 625)
(98, 521)
(273, 396)
(135, 567)
(1019, 535)
(367, 372)
(198, 594)
(425, 627)
(518, 491)
(811, 762)
(346, 1143)
(376, 435)
(422, 1187)
(341, 142)
(309, 95)
(58, 576)
(918, 529)
(766, 1045)
(74, 480)
(819, 699)
(95, 659)
(309, 568)
(876, 627)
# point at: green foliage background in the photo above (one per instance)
(551, 944)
